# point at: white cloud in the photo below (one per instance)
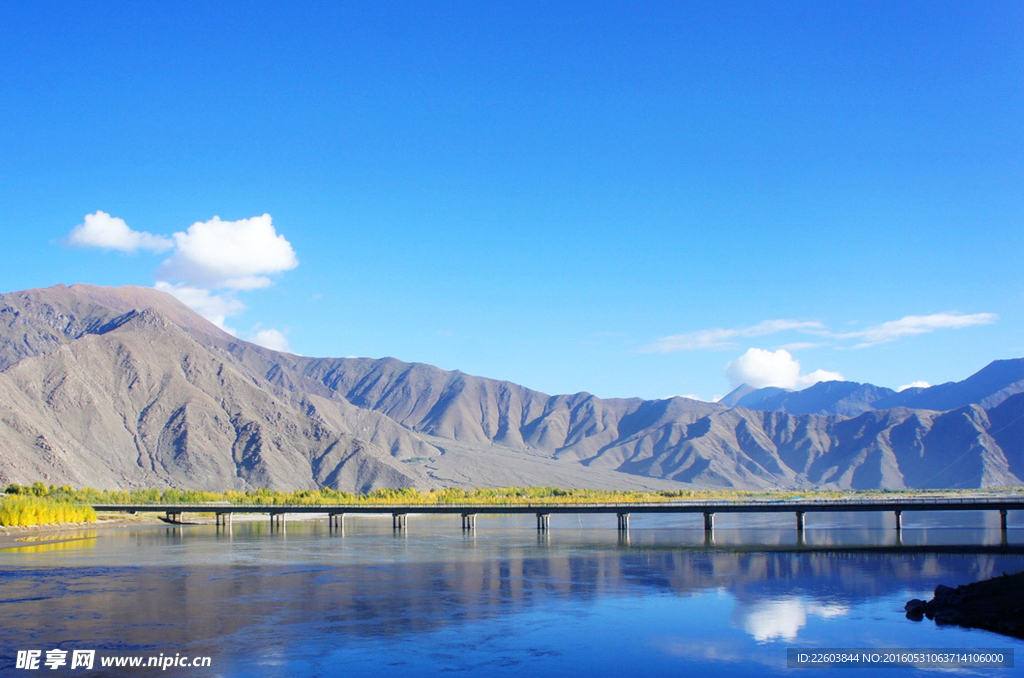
(693, 396)
(916, 324)
(724, 338)
(273, 339)
(720, 338)
(237, 255)
(799, 346)
(112, 233)
(817, 376)
(759, 368)
(216, 308)
(914, 384)
(207, 259)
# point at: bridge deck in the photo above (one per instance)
(1001, 503)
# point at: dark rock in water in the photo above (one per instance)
(915, 609)
(995, 605)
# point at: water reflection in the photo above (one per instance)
(781, 618)
(251, 596)
(45, 543)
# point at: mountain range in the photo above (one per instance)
(127, 387)
(989, 387)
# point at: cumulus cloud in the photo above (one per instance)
(112, 233)
(210, 263)
(914, 384)
(759, 368)
(237, 255)
(273, 339)
(216, 308)
(916, 324)
(720, 338)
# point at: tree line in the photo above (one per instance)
(66, 495)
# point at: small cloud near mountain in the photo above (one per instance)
(273, 339)
(216, 308)
(761, 368)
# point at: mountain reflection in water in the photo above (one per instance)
(309, 599)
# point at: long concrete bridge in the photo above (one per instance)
(543, 511)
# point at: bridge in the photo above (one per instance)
(543, 511)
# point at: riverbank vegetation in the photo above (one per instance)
(408, 495)
(27, 510)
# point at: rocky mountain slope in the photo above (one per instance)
(990, 386)
(126, 387)
(825, 397)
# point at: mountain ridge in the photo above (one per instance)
(987, 387)
(127, 387)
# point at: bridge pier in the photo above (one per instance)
(1003, 519)
(223, 519)
(174, 516)
(623, 522)
(800, 522)
(399, 521)
(709, 521)
(543, 522)
(336, 521)
(468, 521)
(277, 519)
(899, 520)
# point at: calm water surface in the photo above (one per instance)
(580, 600)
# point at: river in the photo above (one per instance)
(504, 600)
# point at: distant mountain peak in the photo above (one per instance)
(733, 397)
(847, 398)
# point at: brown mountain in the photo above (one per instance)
(126, 387)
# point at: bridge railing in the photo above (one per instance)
(682, 503)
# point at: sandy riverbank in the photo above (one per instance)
(39, 535)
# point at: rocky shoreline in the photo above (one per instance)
(995, 605)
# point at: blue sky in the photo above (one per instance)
(631, 199)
